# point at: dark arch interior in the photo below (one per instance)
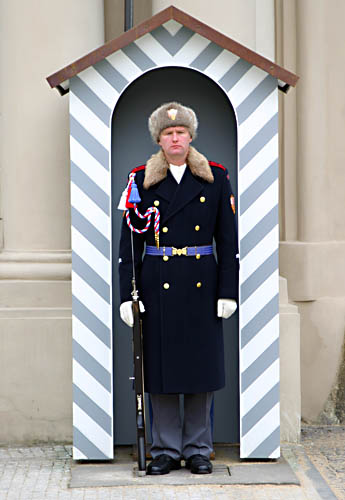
(132, 146)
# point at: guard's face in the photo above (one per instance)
(175, 143)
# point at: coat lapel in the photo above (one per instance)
(167, 188)
(188, 189)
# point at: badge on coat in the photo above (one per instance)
(232, 203)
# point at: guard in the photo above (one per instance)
(185, 290)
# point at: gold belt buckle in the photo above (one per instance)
(179, 251)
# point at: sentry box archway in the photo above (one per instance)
(173, 39)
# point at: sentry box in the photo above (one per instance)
(112, 91)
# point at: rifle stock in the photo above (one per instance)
(139, 387)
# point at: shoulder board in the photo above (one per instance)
(137, 169)
(214, 164)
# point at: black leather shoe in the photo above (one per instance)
(163, 464)
(199, 464)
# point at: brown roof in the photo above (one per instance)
(190, 22)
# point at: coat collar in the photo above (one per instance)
(157, 167)
(178, 195)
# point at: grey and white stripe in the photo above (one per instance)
(253, 95)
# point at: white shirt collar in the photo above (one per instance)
(177, 171)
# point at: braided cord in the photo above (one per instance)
(147, 215)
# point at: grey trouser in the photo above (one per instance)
(177, 439)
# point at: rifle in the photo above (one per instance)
(139, 381)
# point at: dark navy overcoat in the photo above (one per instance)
(183, 337)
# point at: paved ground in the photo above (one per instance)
(43, 472)
(326, 448)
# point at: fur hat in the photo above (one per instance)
(172, 114)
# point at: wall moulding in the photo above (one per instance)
(313, 269)
(40, 265)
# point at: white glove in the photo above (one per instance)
(126, 312)
(226, 307)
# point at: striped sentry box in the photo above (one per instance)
(253, 93)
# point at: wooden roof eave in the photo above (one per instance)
(59, 79)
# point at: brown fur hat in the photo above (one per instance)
(172, 114)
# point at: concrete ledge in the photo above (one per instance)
(36, 379)
(322, 340)
(290, 374)
(290, 370)
(227, 469)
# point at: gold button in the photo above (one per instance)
(165, 229)
(165, 258)
(156, 203)
(166, 286)
(196, 228)
(197, 256)
(198, 284)
(202, 199)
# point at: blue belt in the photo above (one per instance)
(188, 251)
